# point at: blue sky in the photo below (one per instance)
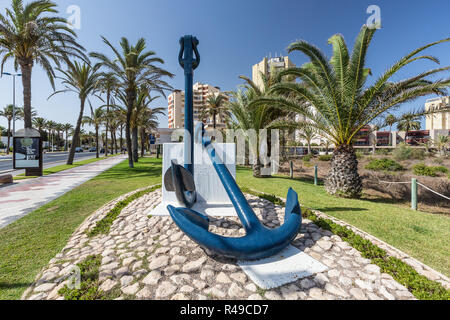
(235, 34)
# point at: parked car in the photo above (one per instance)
(102, 150)
(79, 150)
(93, 149)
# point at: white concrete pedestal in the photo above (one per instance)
(212, 198)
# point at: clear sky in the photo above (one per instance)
(235, 34)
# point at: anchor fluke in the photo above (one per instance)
(177, 179)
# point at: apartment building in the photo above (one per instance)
(440, 120)
(269, 65)
(176, 105)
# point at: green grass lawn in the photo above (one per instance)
(62, 167)
(28, 244)
(424, 236)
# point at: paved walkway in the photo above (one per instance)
(148, 258)
(21, 198)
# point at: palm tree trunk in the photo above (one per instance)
(121, 138)
(130, 101)
(76, 134)
(214, 120)
(9, 136)
(26, 68)
(107, 123)
(115, 140)
(96, 143)
(143, 142)
(135, 144)
(343, 178)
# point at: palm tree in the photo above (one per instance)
(251, 120)
(82, 79)
(8, 113)
(343, 103)
(441, 144)
(390, 121)
(29, 35)
(409, 121)
(134, 67)
(67, 127)
(108, 84)
(51, 125)
(39, 123)
(308, 133)
(96, 120)
(215, 106)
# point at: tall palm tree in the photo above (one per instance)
(59, 128)
(8, 113)
(67, 127)
(82, 79)
(215, 106)
(108, 84)
(134, 67)
(31, 35)
(344, 102)
(96, 119)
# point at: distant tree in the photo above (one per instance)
(134, 67)
(7, 113)
(67, 127)
(96, 119)
(82, 79)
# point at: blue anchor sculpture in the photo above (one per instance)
(259, 242)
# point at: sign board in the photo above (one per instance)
(152, 138)
(27, 152)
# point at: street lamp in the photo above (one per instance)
(14, 75)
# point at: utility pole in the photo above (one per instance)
(14, 75)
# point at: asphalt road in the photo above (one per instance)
(50, 160)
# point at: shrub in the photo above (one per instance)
(382, 152)
(384, 165)
(404, 152)
(423, 170)
(327, 157)
(307, 158)
(418, 154)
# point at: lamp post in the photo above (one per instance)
(14, 75)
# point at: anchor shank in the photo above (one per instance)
(245, 212)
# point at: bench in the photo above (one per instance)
(7, 178)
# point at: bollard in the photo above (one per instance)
(292, 169)
(414, 194)
(315, 175)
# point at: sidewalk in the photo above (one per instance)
(26, 196)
